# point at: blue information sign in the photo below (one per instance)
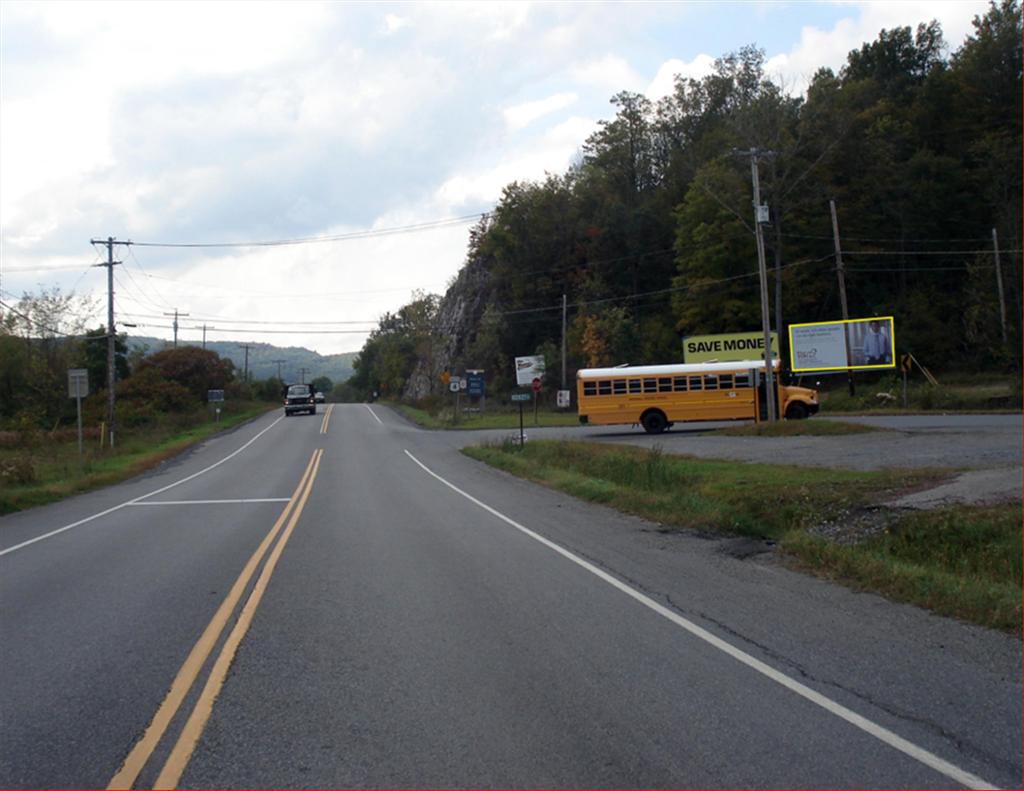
(475, 385)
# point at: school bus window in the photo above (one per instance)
(589, 388)
(619, 386)
(725, 381)
(634, 385)
(710, 382)
(695, 383)
(604, 387)
(742, 380)
(679, 384)
(650, 385)
(665, 385)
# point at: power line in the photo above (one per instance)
(367, 234)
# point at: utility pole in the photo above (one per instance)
(760, 217)
(999, 285)
(111, 332)
(302, 375)
(841, 274)
(245, 376)
(563, 340)
(279, 362)
(176, 314)
(205, 328)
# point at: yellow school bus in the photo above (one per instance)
(656, 396)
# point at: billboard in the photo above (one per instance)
(727, 347)
(528, 369)
(854, 344)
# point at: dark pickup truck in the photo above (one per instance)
(299, 398)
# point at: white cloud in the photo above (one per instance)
(522, 115)
(664, 84)
(610, 73)
(551, 153)
(393, 23)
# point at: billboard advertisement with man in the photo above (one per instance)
(855, 344)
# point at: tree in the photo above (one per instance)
(197, 370)
(322, 384)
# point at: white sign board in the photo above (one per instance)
(818, 346)
(528, 369)
(563, 398)
(78, 382)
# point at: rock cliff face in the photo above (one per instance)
(458, 316)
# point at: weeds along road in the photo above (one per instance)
(345, 600)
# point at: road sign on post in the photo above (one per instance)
(475, 385)
(78, 383)
(78, 388)
(520, 398)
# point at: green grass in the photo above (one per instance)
(500, 417)
(752, 499)
(963, 562)
(964, 394)
(44, 471)
(815, 427)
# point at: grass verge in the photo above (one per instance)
(962, 562)
(816, 427)
(496, 417)
(49, 471)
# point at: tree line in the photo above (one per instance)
(650, 233)
(44, 335)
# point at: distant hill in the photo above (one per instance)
(337, 367)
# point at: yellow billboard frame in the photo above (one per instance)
(849, 366)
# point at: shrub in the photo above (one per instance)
(17, 471)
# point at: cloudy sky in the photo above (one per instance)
(386, 127)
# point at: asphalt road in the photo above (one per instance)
(350, 602)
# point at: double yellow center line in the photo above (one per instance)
(326, 420)
(189, 672)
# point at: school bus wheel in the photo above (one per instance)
(654, 421)
(796, 411)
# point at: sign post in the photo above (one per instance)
(520, 398)
(78, 388)
(535, 384)
(905, 368)
(455, 386)
(215, 397)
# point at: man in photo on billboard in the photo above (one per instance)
(876, 344)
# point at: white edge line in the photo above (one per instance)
(879, 732)
(212, 502)
(59, 530)
(375, 416)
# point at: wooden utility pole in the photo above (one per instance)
(760, 217)
(279, 362)
(563, 339)
(999, 285)
(111, 332)
(841, 274)
(245, 376)
(176, 314)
